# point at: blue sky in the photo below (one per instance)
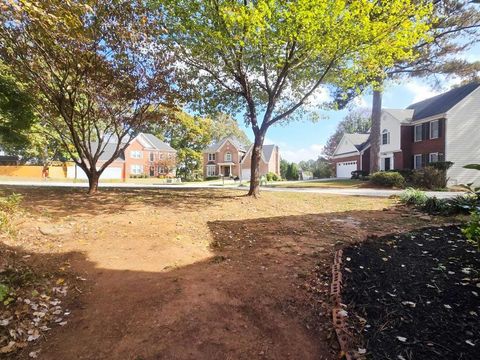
(303, 140)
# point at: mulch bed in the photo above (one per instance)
(415, 295)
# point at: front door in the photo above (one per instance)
(152, 171)
(387, 164)
(226, 171)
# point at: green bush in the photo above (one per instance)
(8, 205)
(271, 176)
(390, 179)
(208, 178)
(437, 206)
(413, 196)
(429, 178)
(359, 174)
(472, 229)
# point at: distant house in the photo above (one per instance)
(441, 128)
(146, 155)
(230, 158)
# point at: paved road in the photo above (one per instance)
(329, 191)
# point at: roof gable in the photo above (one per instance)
(150, 141)
(442, 103)
(352, 143)
(218, 145)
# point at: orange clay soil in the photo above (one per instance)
(207, 274)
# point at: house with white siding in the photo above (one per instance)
(445, 127)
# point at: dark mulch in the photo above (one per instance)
(415, 295)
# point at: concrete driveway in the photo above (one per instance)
(329, 191)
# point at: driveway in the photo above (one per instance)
(329, 191)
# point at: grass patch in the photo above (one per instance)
(344, 183)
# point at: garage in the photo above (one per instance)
(345, 168)
(246, 174)
(111, 172)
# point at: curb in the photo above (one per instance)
(339, 315)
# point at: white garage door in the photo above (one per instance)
(344, 169)
(246, 174)
(109, 173)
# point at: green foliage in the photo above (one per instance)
(292, 172)
(434, 205)
(359, 174)
(16, 109)
(223, 125)
(4, 291)
(429, 177)
(356, 121)
(388, 179)
(283, 168)
(472, 166)
(472, 229)
(8, 206)
(319, 168)
(271, 176)
(212, 178)
(441, 165)
(413, 196)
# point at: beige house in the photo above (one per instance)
(230, 158)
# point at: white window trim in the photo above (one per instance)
(415, 161)
(438, 129)
(211, 157)
(415, 133)
(227, 157)
(430, 157)
(134, 153)
(211, 170)
(136, 169)
(151, 157)
(388, 137)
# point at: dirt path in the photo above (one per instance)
(198, 275)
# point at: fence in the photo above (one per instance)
(33, 172)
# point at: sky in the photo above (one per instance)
(304, 140)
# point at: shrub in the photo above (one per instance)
(390, 179)
(472, 229)
(434, 205)
(8, 206)
(413, 196)
(429, 178)
(212, 178)
(406, 173)
(271, 176)
(359, 174)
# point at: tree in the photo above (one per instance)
(454, 28)
(323, 168)
(292, 172)
(356, 121)
(16, 110)
(268, 58)
(283, 168)
(187, 134)
(223, 125)
(98, 67)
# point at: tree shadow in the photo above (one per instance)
(263, 294)
(62, 201)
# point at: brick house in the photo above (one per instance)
(146, 155)
(230, 158)
(441, 128)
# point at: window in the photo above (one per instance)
(152, 156)
(418, 133)
(227, 157)
(385, 137)
(434, 129)
(162, 156)
(136, 169)
(211, 157)
(161, 170)
(136, 154)
(211, 170)
(417, 161)
(170, 155)
(433, 157)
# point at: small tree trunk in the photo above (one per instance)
(255, 165)
(93, 177)
(375, 131)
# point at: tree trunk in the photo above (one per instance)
(255, 165)
(93, 177)
(375, 131)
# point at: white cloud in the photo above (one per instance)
(360, 101)
(298, 154)
(318, 98)
(420, 92)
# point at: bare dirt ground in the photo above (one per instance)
(206, 274)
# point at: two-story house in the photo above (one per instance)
(230, 158)
(146, 155)
(441, 128)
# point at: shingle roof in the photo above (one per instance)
(268, 151)
(360, 141)
(403, 115)
(157, 143)
(109, 150)
(440, 104)
(237, 143)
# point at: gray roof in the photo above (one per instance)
(268, 151)
(360, 141)
(216, 146)
(109, 150)
(440, 104)
(157, 143)
(403, 115)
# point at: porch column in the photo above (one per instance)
(231, 175)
